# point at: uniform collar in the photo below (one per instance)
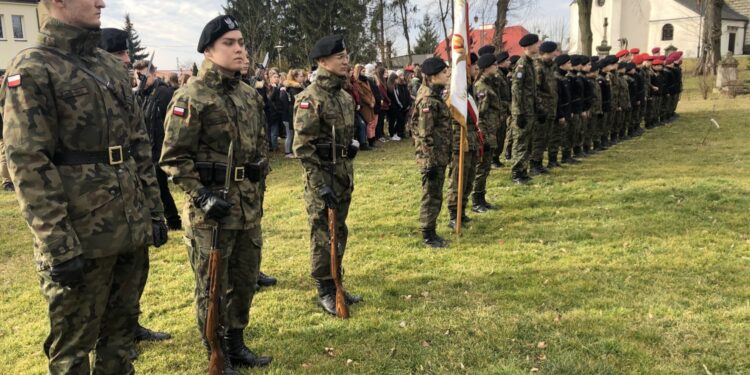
(78, 41)
(216, 79)
(329, 81)
(436, 89)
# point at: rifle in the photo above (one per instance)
(216, 360)
(342, 309)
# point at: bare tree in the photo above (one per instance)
(444, 6)
(710, 51)
(404, 9)
(584, 26)
(500, 22)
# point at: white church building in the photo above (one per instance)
(646, 24)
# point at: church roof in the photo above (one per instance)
(727, 13)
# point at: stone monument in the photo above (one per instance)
(603, 49)
(727, 80)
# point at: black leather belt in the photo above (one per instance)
(325, 151)
(113, 156)
(214, 174)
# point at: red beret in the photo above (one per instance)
(635, 51)
(670, 60)
(638, 59)
(672, 56)
(622, 53)
(648, 58)
(655, 50)
(679, 54)
(659, 62)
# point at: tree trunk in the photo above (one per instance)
(586, 36)
(405, 24)
(710, 53)
(502, 20)
(443, 16)
(381, 31)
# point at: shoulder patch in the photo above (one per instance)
(304, 105)
(178, 111)
(14, 81)
(481, 95)
(519, 75)
(426, 110)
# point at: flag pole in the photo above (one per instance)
(459, 213)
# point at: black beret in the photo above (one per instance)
(562, 60)
(327, 46)
(548, 47)
(486, 60)
(113, 40)
(622, 65)
(433, 65)
(528, 40)
(502, 56)
(215, 29)
(611, 59)
(629, 66)
(594, 59)
(596, 65)
(486, 49)
(473, 57)
(576, 60)
(514, 59)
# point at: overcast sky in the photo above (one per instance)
(173, 27)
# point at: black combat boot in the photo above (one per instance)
(174, 223)
(569, 159)
(327, 296)
(496, 164)
(552, 163)
(519, 177)
(144, 334)
(265, 280)
(228, 368)
(478, 204)
(536, 168)
(431, 239)
(577, 152)
(239, 354)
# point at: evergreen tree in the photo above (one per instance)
(427, 40)
(134, 42)
(195, 70)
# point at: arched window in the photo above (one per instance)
(667, 32)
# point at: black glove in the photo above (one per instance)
(213, 206)
(69, 273)
(432, 173)
(328, 196)
(351, 151)
(159, 229)
(521, 122)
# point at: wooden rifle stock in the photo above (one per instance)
(342, 309)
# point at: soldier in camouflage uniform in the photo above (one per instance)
(490, 112)
(523, 111)
(546, 106)
(658, 92)
(559, 130)
(625, 104)
(431, 129)
(7, 184)
(602, 139)
(617, 102)
(508, 128)
(592, 136)
(214, 109)
(576, 110)
(79, 153)
(472, 148)
(586, 103)
(503, 90)
(323, 141)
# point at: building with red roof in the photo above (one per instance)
(483, 35)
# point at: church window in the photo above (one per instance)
(667, 32)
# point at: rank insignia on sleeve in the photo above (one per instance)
(14, 81)
(481, 95)
(178, 111)
(304, 105)
(426, 110)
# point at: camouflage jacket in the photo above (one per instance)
(202, 118)
(503, 91)
(490, 108)
(431, 122)
(524, 88)
(615, 91)
(321, 109)
(547, 88)
(596, 91)
(52, 109)
(624, 92)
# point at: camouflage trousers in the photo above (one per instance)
(4, 173)
(484, 167)
(617, 119)
(522, 141)
(635, 119)
(590, 130)
(653, 112)
(557, 132)
(540, 141)
(432, 199)
(509, 139)
(572, 133)
(502, 131)
(666, 105)
(96, 317)
(320, 240)
(470, 170)
(240, 264)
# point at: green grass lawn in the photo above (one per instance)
(635, 262)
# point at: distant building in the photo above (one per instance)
(661, 23)
(399, 62)
(483, 35)
(20, 21)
